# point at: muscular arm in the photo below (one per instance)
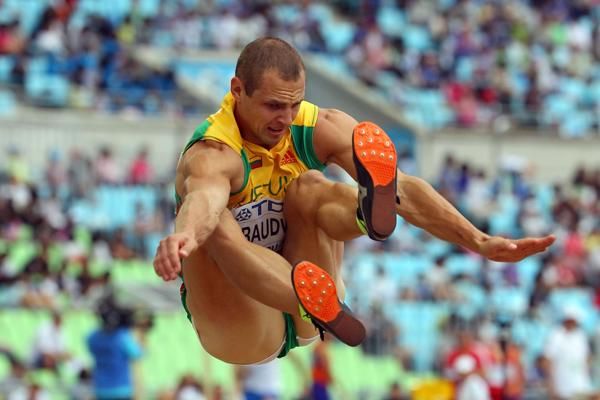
(420, 204)
(205, 176)
(207, 172)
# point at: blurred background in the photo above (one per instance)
(496, 103)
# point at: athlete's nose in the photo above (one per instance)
(287, 116)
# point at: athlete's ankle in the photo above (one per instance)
(360, 222)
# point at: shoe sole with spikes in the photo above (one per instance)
(375, 158)
(317, 294)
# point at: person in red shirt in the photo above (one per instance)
(140, 172)
(321, 372)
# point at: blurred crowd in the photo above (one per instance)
(489, 336)
(446, 63)
(64, 256)
(479, 342)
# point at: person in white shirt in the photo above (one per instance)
(470, 386)
(260, 381)
(567, 352)
(50, 346)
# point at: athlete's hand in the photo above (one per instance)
(511, 250)
(170, 251)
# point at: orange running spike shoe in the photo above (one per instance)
(375, 158)
(317, 294)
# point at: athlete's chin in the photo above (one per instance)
(273, 137)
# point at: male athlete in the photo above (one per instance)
(253, 157)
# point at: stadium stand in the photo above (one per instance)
(75, 231)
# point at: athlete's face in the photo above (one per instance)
(265, 116)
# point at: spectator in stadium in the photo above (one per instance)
(322, 377)
(537, 379)
(119, 248)
(81, 175)
(11, 40)
(260, 382)
(106, 168)
(50, 347)
(567, 351)
(189, 389)
(265, 99)
(396, 393)
(40, 289)
(470, 386)
(14, 382)
(382, 333)
(113, 348)
(140, 172)
(439, 281)
(82, 389)
(384, 290)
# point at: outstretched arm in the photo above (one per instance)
(420, 204)
(204, 177)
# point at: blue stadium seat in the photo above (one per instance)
(416, 37)
(48, 90)
(119, 202)
(532, 334)
(322, 13)
(404, 268)
(363, 268)
(463, 264)
(465, 68)
(285, 14)
(391, 21)
(475, 298)
(509, 300)
(419, 326)
(578, 124)
(544, 194)
(29, 12)
(338, 35)
(527, 270)
(435, 248)
(149, 8)
(572, 88)
(556, 107)
(7, 64)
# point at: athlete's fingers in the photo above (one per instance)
(173, 262)
(159, 263)
(158, 260)
(186, 247)
(156, 263)
(164, 263)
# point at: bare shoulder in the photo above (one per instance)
(210, 157)
(332, 115)
(209, 160)
(333, 135)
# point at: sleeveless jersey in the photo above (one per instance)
(258, 205)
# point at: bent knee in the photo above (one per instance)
(305, 184)
(302, 196)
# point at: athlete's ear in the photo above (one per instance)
(237, 87)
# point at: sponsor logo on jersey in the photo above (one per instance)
(288, 158)
(262, 222)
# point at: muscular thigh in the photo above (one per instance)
(231, 326)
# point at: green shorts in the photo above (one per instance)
(291, 340)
